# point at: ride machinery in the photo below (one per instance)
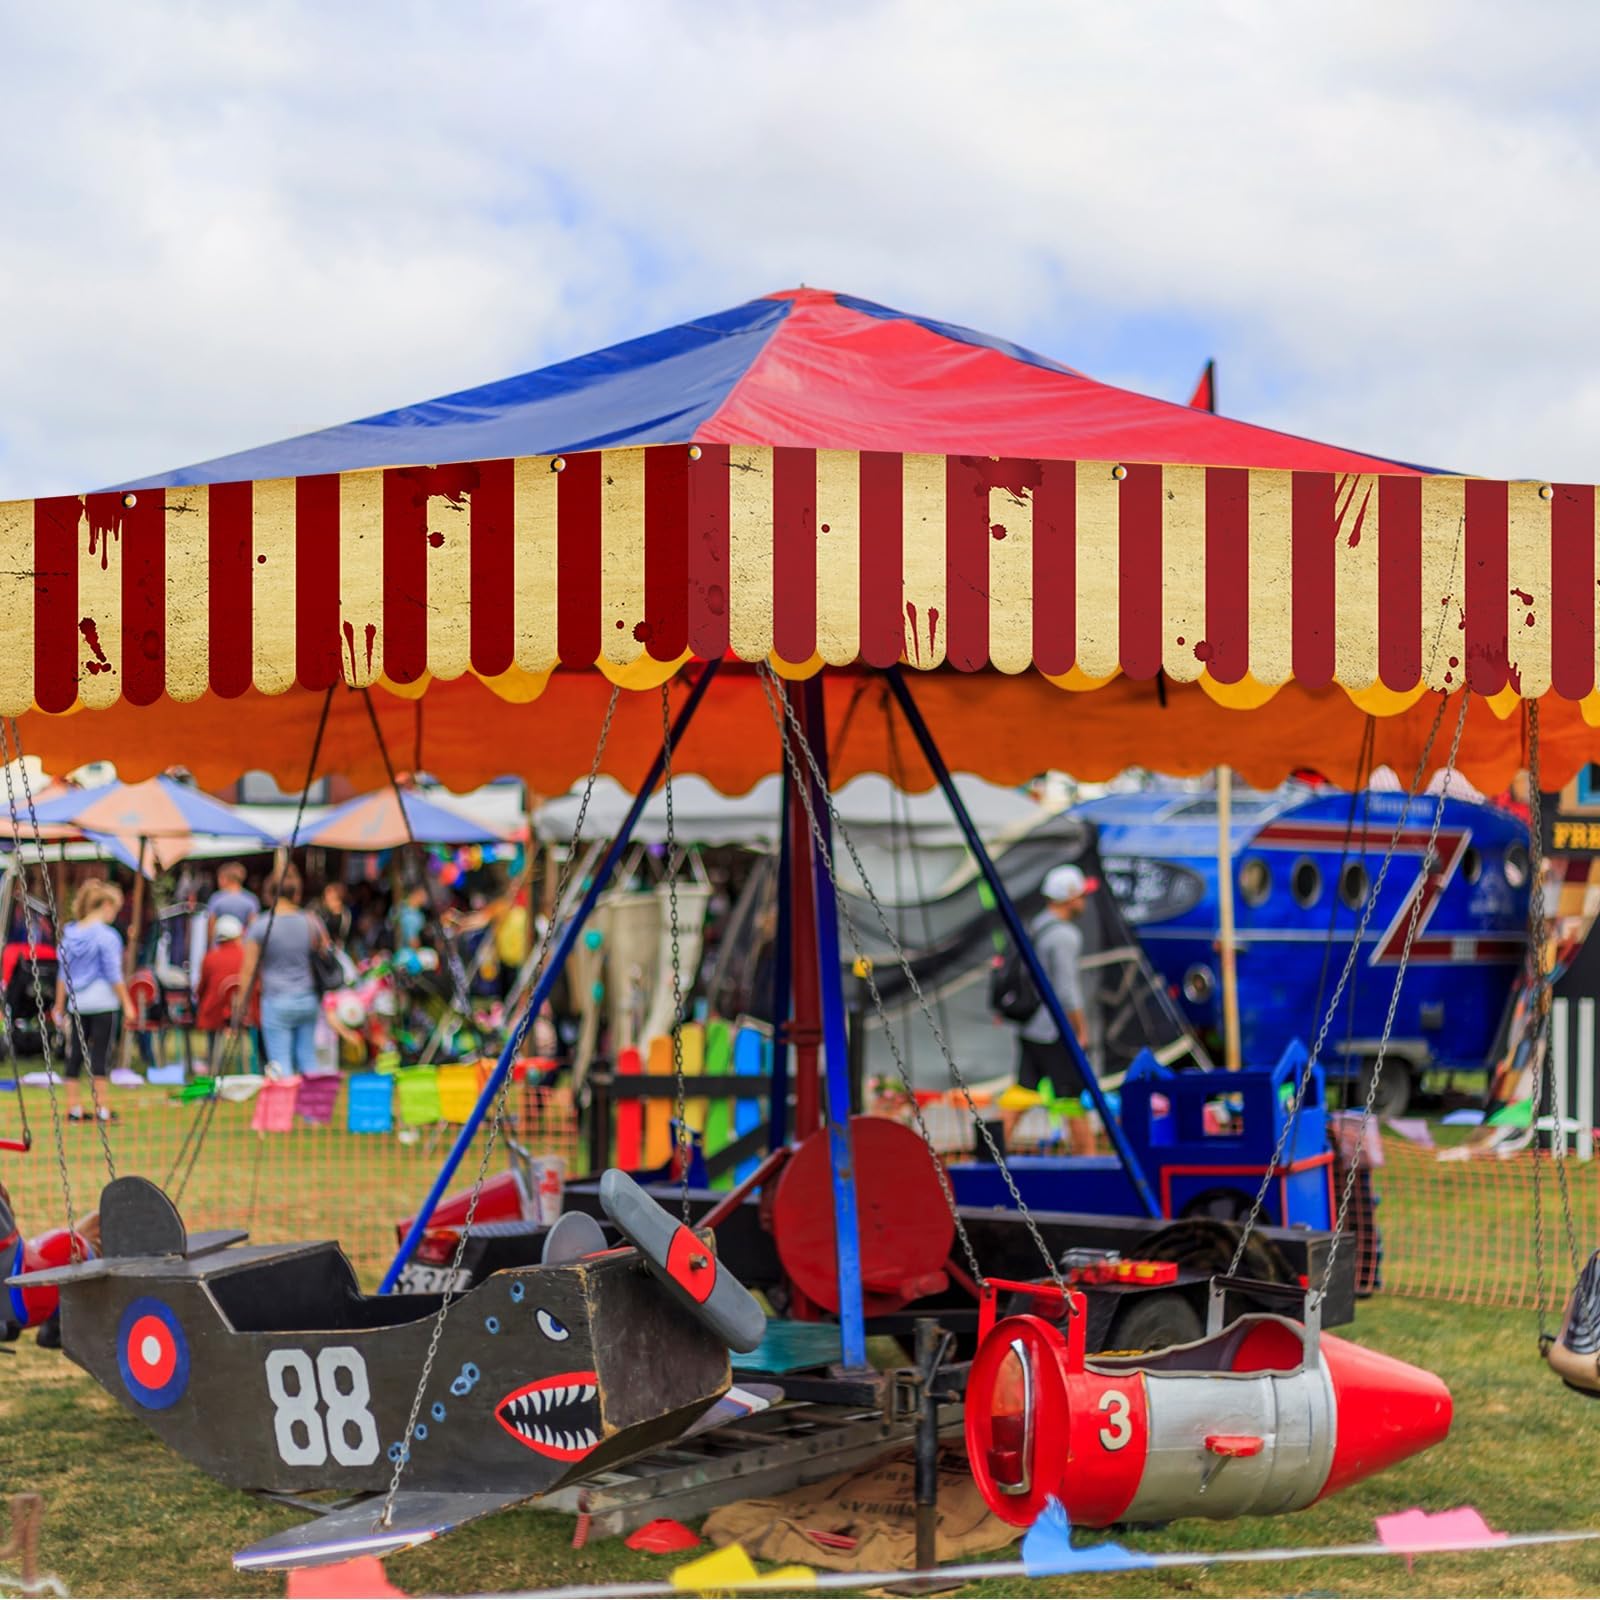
(712, 545)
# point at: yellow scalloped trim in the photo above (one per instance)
(516, 685)
(1379, 700)
(643, 672)
(796, 671)
(1245, 695)
(1504, 703)
(1590, 707)
(405, 691)
(1079, 681)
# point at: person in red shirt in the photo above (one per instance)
(219, 980)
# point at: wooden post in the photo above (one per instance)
(1226, 950)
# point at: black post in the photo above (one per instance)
(931, 1340)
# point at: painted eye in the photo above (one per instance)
(550, 1328)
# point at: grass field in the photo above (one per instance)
(126, 1517)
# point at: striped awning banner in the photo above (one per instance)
(1077, 569)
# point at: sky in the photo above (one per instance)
(229, 224)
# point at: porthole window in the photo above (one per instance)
(1354, 885)
(1472, 864)
(1305, 882)
(1255, 881)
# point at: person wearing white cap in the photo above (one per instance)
(1041, 1052)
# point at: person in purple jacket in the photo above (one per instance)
(90, 955)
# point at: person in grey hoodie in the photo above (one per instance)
(90, 956)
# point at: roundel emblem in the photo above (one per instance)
(153, 1354)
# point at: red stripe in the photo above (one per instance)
(493, 568)
(967, 480)
(1227, 640)
(231, 611)
(1488, 587)
(1312, 531)
(794, 553)
(318, 647)
(1139, 583)
(707, 494)
(665, 629)
(405, 572)
(144, 595)
(1399, 581)
(1572, 589)
(55, 602)
(578, 560)
(882, 581)
(1055, 567)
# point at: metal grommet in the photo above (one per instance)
(559, 464)
(694, 452)
(1119, 472)
(130, 500)
(1547, 491)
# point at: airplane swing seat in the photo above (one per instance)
(1574, 1352)
(1264, 1416)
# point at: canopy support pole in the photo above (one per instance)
(824, 908)
(1022, 939)
(778, 1098)
(547, 982)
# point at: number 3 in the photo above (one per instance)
(296, 1408)
(1118, 1430)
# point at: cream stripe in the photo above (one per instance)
(1271, 580)
(534, 573)
(1011, 579)
(100, 604)
(361, 575)
(922, 560)
(188, 562)
(838, 556)
(17, 580)
(1355, 583)
(1528, 570)
(750, 552)
(1183, 571)
(1443, 591)
(621, 554)
(449, 549)
(1099, 569)
(273, 639)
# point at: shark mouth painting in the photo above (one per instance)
(558, 1417)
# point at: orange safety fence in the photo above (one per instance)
(284, 1163)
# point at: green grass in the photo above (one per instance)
(126, 1517)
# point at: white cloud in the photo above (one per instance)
(224, 225)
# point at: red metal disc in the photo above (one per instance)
(906, 1226)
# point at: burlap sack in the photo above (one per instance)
(865, 1520)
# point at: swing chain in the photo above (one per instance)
(1428, 865)
(496, 1116)
(7, 729)
(679, 1095)
(770, 680)
(1542, 1016)
(890, 1037)
(1368, 906)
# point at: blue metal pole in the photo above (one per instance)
(835, 1046)
(778, 1103)
(1022, 939)
(546, 984)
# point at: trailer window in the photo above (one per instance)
(1515, 865)
(1255, 880)
(1354, 885)
(1305, 882)
(1472, 863)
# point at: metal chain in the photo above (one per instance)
(866, 967)
(1542, 1015)
(685, 1144)
(496, 1116)
(1394, 1001)
(7, 728)
(769, 680)
(1286, 1131)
